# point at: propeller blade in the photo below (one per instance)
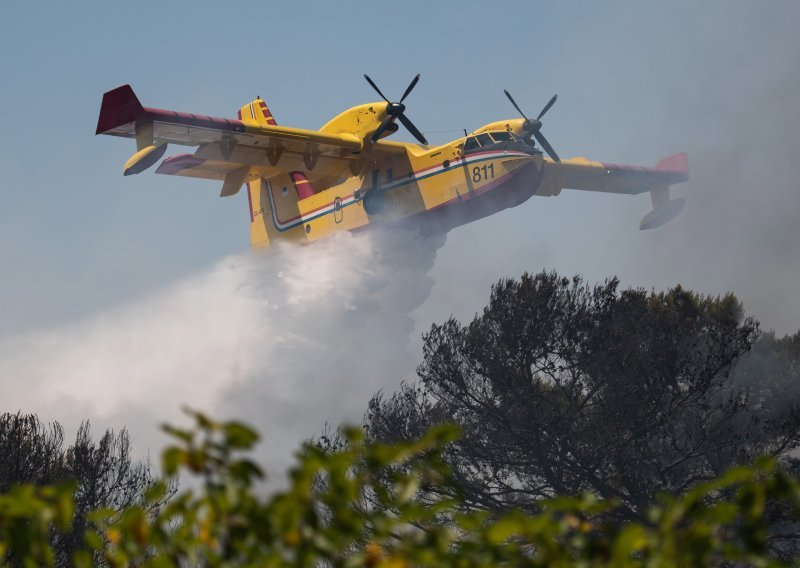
(516, 106)
(546, 145)
(412, 129)
(374, 86)
(384, 125)
(410, 87)
(547, 106)
(396, 111)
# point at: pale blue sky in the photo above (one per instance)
(79, 236)
(125, 261)
(636, 81)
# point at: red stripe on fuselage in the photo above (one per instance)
(416, 174)
(459, 199)
(309, 212)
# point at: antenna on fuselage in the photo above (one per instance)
(465, 132)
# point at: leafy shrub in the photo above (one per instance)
(322, 519)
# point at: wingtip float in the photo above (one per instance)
(303, 185)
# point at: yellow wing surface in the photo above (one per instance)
(588, 175)
(238, 150)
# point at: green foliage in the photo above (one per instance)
(27, 515)
(322, 517)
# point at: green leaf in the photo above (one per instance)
(500, 531)
(172, 459)
(632, 539)
(185, 436)
(238, 435)
(93, 540)
(245, 470)
(82, 559)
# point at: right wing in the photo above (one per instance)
(225, 145)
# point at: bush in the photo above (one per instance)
(322, 517)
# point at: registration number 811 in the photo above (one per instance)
(480, 173)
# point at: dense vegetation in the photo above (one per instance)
(322, 518)
(565, 425)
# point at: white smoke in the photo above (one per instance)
(285, 341)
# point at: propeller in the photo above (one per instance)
(396, 111)
(533, 126)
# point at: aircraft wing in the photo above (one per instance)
(587, 175)
(224, 144)
(580, 173)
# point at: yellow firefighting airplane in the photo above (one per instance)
(305, 184)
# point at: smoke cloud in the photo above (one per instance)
(285, 341)
(637, 82)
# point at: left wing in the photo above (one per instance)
(587, 175)
(580, 173)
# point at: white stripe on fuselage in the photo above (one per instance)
(418, 176)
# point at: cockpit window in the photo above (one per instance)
(485, 139)
(471, 144)
(501, 136)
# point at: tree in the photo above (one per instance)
(105, 475)
(561, 388)
(31, 452)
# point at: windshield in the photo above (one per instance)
(471, 144)
(502, 137)
(485, 140)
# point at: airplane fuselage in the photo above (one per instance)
(437, 189)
